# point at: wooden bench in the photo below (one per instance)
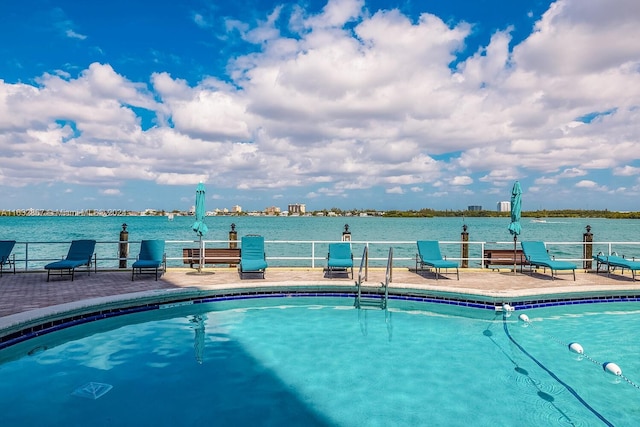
(229, 256)
(494, 257)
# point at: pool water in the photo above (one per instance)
(303, 361)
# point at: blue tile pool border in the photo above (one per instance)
(93, 314)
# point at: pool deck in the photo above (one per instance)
(30, 292)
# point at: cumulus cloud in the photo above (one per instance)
(461, 180)
(347, 99)
(591, 185)
(395, 190)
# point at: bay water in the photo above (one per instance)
(49, 237)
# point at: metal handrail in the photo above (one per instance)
(365, 254)
(34, 254)
(388, 276)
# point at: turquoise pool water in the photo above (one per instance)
(304, 361)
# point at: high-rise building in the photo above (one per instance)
(297, 208)
(474, 208)
(504, 206)
(236, 209)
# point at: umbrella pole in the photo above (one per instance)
(201, 256)
(515, 238)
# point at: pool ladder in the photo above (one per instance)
(376, 297)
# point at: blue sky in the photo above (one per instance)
(341, 103)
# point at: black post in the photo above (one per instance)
(233, 237)
(233, 240)
(464, 247)
(346, 234)
(587, 251)
(124, 247)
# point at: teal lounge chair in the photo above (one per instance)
(80, 253)
(429, 255)
(252, 256)
(150, 259)
(616, 261)
(339, 258)
(536, 254)
(6, 258)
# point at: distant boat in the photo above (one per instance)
(170, 216)
(538, 220)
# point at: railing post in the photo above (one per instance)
(233, 240)
(26, 256)
(233, 237)
(123, 253)
(346, 234)
(464, 254)
(313, 254)
(587, 250)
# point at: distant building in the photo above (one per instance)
(504, 206)
(297, 208)
(474, 208)
(272, 210)
(236, 209)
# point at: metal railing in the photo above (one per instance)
(312, 253)
(388, 277)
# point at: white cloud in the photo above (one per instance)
(355, 99)
(73, 35)
(626, 171)
(591, 185)
(111, 192)
(395, 190)
(546, 181)
(461, 180)
(572, 173)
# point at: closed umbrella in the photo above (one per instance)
(516, 208)
(199, 226)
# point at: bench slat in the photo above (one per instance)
(191, 256)
(503, 257)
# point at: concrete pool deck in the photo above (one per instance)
(24, 292)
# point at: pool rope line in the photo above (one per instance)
(577, 348)
(522, 371)
(550, 372)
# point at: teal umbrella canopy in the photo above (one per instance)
(199, 226)
(516, 208)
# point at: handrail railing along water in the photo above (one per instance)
(304, 253)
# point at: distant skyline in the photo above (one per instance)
(343, 103)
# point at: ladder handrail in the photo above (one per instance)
(362, 263)
(388, 276)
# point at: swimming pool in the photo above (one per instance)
(319, 361)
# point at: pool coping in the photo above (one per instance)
(29, 324)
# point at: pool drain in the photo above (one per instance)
(92, 390)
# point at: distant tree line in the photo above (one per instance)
(562, 213)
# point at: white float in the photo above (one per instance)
(612, 368)
(576, 348)
(524, 318)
